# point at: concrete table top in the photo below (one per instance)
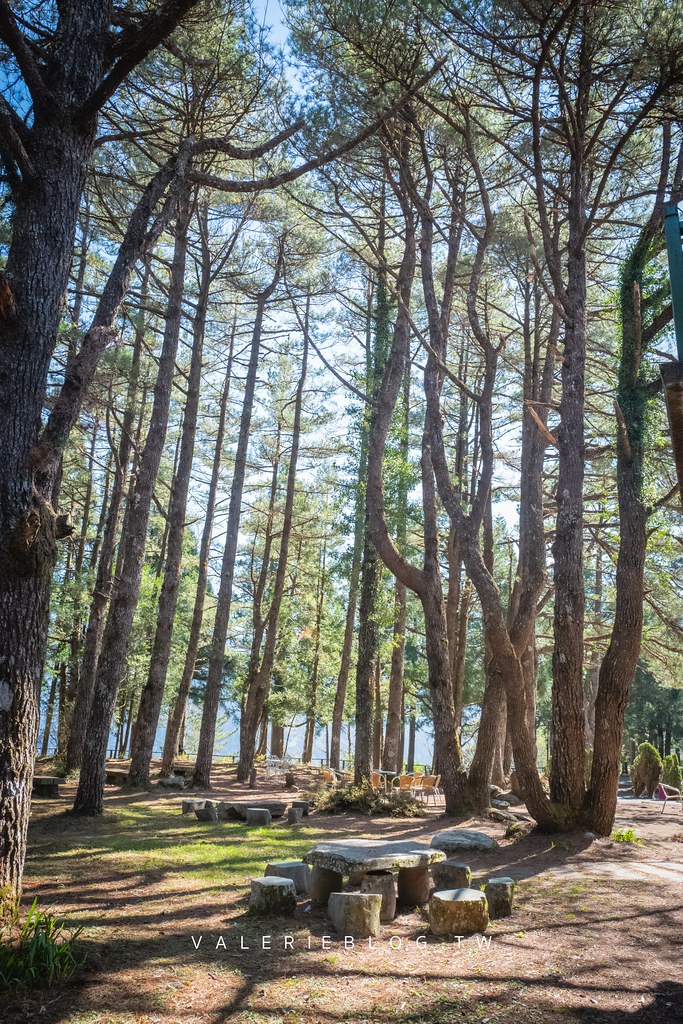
(347, 855)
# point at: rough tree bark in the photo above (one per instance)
(112, 662)
(153, 690)
(177, 716)
(257, 686)
(104, 581)
(207, 732)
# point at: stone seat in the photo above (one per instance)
(355, 913)
(259, 816)
(382, 882)
(272, 896)
(458, 912)
(451, 874)
(46, 785)
(188, 806)
(206, 813)
(296, 870)
(500, 893)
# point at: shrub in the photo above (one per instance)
(40, 954)
(645, 769)
(626, 835)
(671, 771)
(363, 799)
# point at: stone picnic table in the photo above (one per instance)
(331, 861)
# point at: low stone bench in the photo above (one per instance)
(296, 870)
(451, 874)
(294, 815)
(207, 813)
(188, 806)
(116, 776)
(458, 912)
(46, 785)
(236, 810)
(272, 896)
(259, 816)
(323, 882)
(382, 883)
(303, 804)
(500, 893)
(355, 913)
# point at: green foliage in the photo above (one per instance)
(40, 955)
(645, 769)
(626, 835)
(363, 799)
(671, 771)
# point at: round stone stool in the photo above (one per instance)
(273, 896)
(295, 870)
(382, 882)
(294, 815)
(322, 882)
(451, 874)
(500, 893)
(355, 913)
(458, 912)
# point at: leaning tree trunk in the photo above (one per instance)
(116, 639)
(153, 690)
(633, 413)
(207, 732)
(104, 581)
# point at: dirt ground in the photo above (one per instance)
(596, 936)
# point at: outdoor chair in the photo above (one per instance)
(330, 777)
(429, 788)
(664, 793)
(377, 781)
(406, 783)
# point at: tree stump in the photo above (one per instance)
(252, 779)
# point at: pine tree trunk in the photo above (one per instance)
(104, 581)
(153, 690)
(207, 732)
(390, 754)
(116, 638)
(177, 715)
(257, 686)
(49, 712)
